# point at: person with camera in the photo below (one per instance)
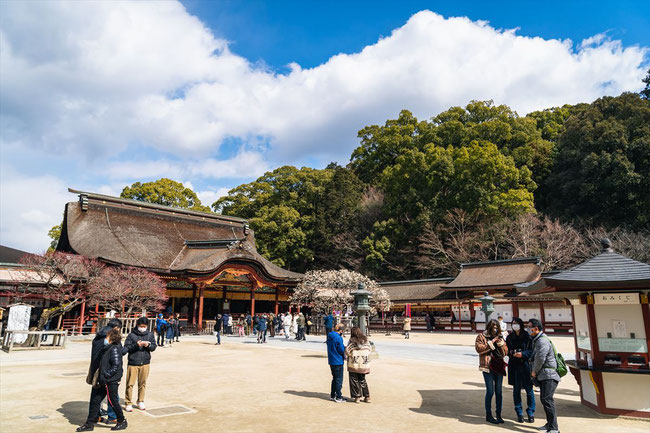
(544, 372)
(520, 350)
(492, 349)
(139, 344)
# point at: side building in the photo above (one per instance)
(209, 261)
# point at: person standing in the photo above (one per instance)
(491, 349)
(433, 322)
(161, 329)
(358, 355)
(108, 381)
(329, 323)
(407, 327)
(335, 358)
(503, 326)
(427, 318)
(177, 327)
(249, 322)
(170, 329)
(273, 322)
(240, 326)
(543, 370)
(520, 349)
(139, 344)
(99, 345)
(261, 333)
(218, 326)
(286, 324)
(229, 332)
(308, 324)
(300, 321)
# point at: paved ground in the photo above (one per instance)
(428, 383)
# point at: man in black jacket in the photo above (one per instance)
(139, 344)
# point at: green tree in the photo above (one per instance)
(55, 235)
(645, 93)
(602, 169)
(166, 192)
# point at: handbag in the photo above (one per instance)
(93, 379)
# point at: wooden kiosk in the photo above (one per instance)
(611, 318)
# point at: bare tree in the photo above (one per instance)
(127, 289)
(61, 278)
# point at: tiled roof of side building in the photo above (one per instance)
(11, 255)
(502, 274)
(414, 290)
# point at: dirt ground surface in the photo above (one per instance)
(283, 386)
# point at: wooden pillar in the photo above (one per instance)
(82, 319)
(277, 292)
(253, 299)
(645, 312)
(193, 304)
(200, 318)
(515, 309)
(96, 319)
(173, 304)
(541, 314)
(224, 298)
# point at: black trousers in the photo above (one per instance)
(358, 385)
(546, 391)
(161, 338)
(337, 381)
(96, 397)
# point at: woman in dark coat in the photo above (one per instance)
(520, 349)
(107, 382)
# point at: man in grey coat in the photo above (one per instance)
(543, 371)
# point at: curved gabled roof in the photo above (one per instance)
(160, 238)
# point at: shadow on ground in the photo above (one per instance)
(314, 356)
(309, 394)
(452, 403)
(74, 411)
(558, 391)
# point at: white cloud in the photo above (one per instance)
(93, 77)
(244, 165)
(29, 207)
(208, 197)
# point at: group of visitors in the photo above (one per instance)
(169, 328)
(532, 360)
(261, 325)
(106, 371)
(357, 354)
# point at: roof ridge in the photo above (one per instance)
(514, 261)
(143, 204)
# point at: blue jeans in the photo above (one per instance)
(337, 381)
(218, 337)
(493, 383)
(530, 398)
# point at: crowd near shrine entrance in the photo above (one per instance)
(209, 262)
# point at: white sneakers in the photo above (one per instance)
(129, 408)
(141, 406)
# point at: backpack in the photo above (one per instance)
(561, 367)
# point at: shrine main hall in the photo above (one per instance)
(208, 261)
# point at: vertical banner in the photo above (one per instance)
(408, 310)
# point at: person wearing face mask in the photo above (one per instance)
(492, 349)
(107, 383)
(139, 344)
(543, 370)
(520, 349)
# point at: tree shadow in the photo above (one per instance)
(313, 356)
(557, 391)
(309, 394)
(75, 412)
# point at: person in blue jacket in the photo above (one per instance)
(161, 329)
(261, 333)
(336, 359)
(329, 322)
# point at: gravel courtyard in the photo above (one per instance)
(428, 383)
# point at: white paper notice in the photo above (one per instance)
(620, 330)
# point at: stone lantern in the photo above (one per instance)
(487, 306)
(361, 306)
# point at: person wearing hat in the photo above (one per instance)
(139, 344)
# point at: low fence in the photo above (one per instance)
(34, 341)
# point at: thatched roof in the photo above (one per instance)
(414, 290)
(160, 238)
(495, 275)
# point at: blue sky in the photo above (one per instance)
(98, 95)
